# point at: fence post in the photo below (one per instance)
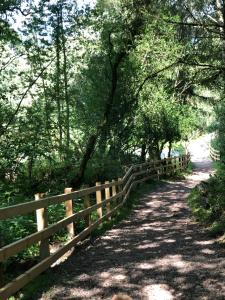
(180, 163)
(113, 188)
(87, 204)
(158, 174)
(165, 166)
(114, 191)
(69, 212)
(175, 164)
(188, 159)
(156, 169)
(120, 188)
(169, 166)
(42, 223)
(107, 196)
(172, 165)
(99, 200)
(183, 162)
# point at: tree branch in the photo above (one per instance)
(4, 129)
(153, 75)
(193, 24)
(207, 66)
(9, 62)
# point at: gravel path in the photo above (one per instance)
(158, 253)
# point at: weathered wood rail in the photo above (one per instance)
(214, 154)
(115, 195)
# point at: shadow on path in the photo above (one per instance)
(158, 253)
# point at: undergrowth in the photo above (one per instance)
(207, 202)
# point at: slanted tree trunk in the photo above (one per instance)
(103, 127)
(135, 29)
(160, 147)
(158, 152)
(170, 149)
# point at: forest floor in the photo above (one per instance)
(157, 253)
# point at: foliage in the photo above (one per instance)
(215, 143)
(207, 202)
(85, 91)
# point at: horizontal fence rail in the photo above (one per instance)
(116, 194)
(214, 154)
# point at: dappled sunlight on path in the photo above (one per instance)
(158, 253)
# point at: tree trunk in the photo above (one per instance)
(57, 45)
(65, 75)
(160, 148)
(170, 149)
(158, 152)
(105, 125)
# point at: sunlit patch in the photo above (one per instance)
(148, 246)
(170, 241)
(147, 225)
(147, 211)
(84, 277)
(203, 243)
(174, 261)
(208, 251)
(115, 277)
(105, 275)
(86, 293)
(119, 277)
(145, 266)
(109, 237)
(118, 250)
(158, 292)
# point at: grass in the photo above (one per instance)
(217, 227)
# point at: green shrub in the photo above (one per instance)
(218, 227)
(215, 143)
(207, 202)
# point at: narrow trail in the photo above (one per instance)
(158, 253)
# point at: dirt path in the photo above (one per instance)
(158, 253)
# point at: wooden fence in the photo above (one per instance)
(214, 154)
(115, 195)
